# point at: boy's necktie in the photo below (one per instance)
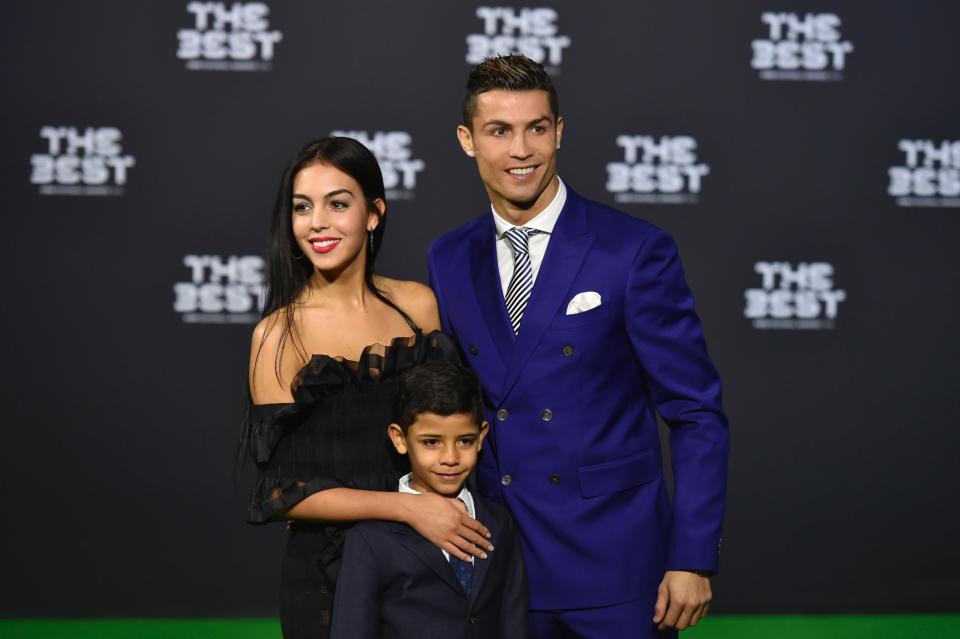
(464, 572)
(518, 293)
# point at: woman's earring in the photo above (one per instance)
(370, 234)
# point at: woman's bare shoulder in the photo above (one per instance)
(409, 289)
(416, 299)
(267, 332)
(270, 383)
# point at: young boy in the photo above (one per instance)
(394, 583)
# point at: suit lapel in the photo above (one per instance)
(486, 284)
(569, 244)
(428, 554)
(482, 566)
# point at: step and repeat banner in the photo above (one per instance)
(806, 156)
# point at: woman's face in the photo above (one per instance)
(331, 218)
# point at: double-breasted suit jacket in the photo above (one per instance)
(394, 584)
(574, 450)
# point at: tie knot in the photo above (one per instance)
(519, 238)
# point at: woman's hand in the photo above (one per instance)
(445, 523)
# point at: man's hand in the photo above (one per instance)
(682, 600)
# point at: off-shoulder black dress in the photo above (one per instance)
(334, 434)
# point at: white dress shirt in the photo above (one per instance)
(543, 222)
(464, 496)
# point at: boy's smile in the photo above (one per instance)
(442, 450)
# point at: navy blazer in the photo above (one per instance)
(394, 584)
(574, 450)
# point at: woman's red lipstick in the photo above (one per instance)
(324, 244)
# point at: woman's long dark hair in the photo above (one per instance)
(289, 270)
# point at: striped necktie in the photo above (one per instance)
(521, 284)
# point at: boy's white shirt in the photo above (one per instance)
(464, 496)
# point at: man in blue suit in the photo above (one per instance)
(579, 323)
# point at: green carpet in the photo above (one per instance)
(140, 629)
(718, 627)
(827, 627)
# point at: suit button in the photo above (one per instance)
(554, 479)
(506, 480)
(473, 349)
(546, 415)
(502, 414)
(472, 620)
(567, 350)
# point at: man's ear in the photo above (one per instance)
(396, 436)
(466, 140)
(559, 130)
(484, 429)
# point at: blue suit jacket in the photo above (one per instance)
(574, 450)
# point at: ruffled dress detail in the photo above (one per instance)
(334, 434)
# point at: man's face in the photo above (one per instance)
(442, 450)
(514, 138)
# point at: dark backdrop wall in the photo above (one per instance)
(806, 155)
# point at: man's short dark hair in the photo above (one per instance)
(439, 387)
(508, 73)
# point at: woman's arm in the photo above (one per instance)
(444, 522)
(270, 377)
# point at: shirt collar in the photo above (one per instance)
(545, 219)
(464, 496)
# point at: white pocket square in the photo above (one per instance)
(582, 302)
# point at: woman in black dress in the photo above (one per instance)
(322, 367)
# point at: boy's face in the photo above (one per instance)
(442, 450)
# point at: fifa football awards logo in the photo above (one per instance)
(221, 290)
(531, 31)
(929, 175)
(660, 170)
(234, 39)
(87, 161)
(392, 150)
(801, 48)
(800, 297)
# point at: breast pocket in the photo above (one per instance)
(580, 319)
